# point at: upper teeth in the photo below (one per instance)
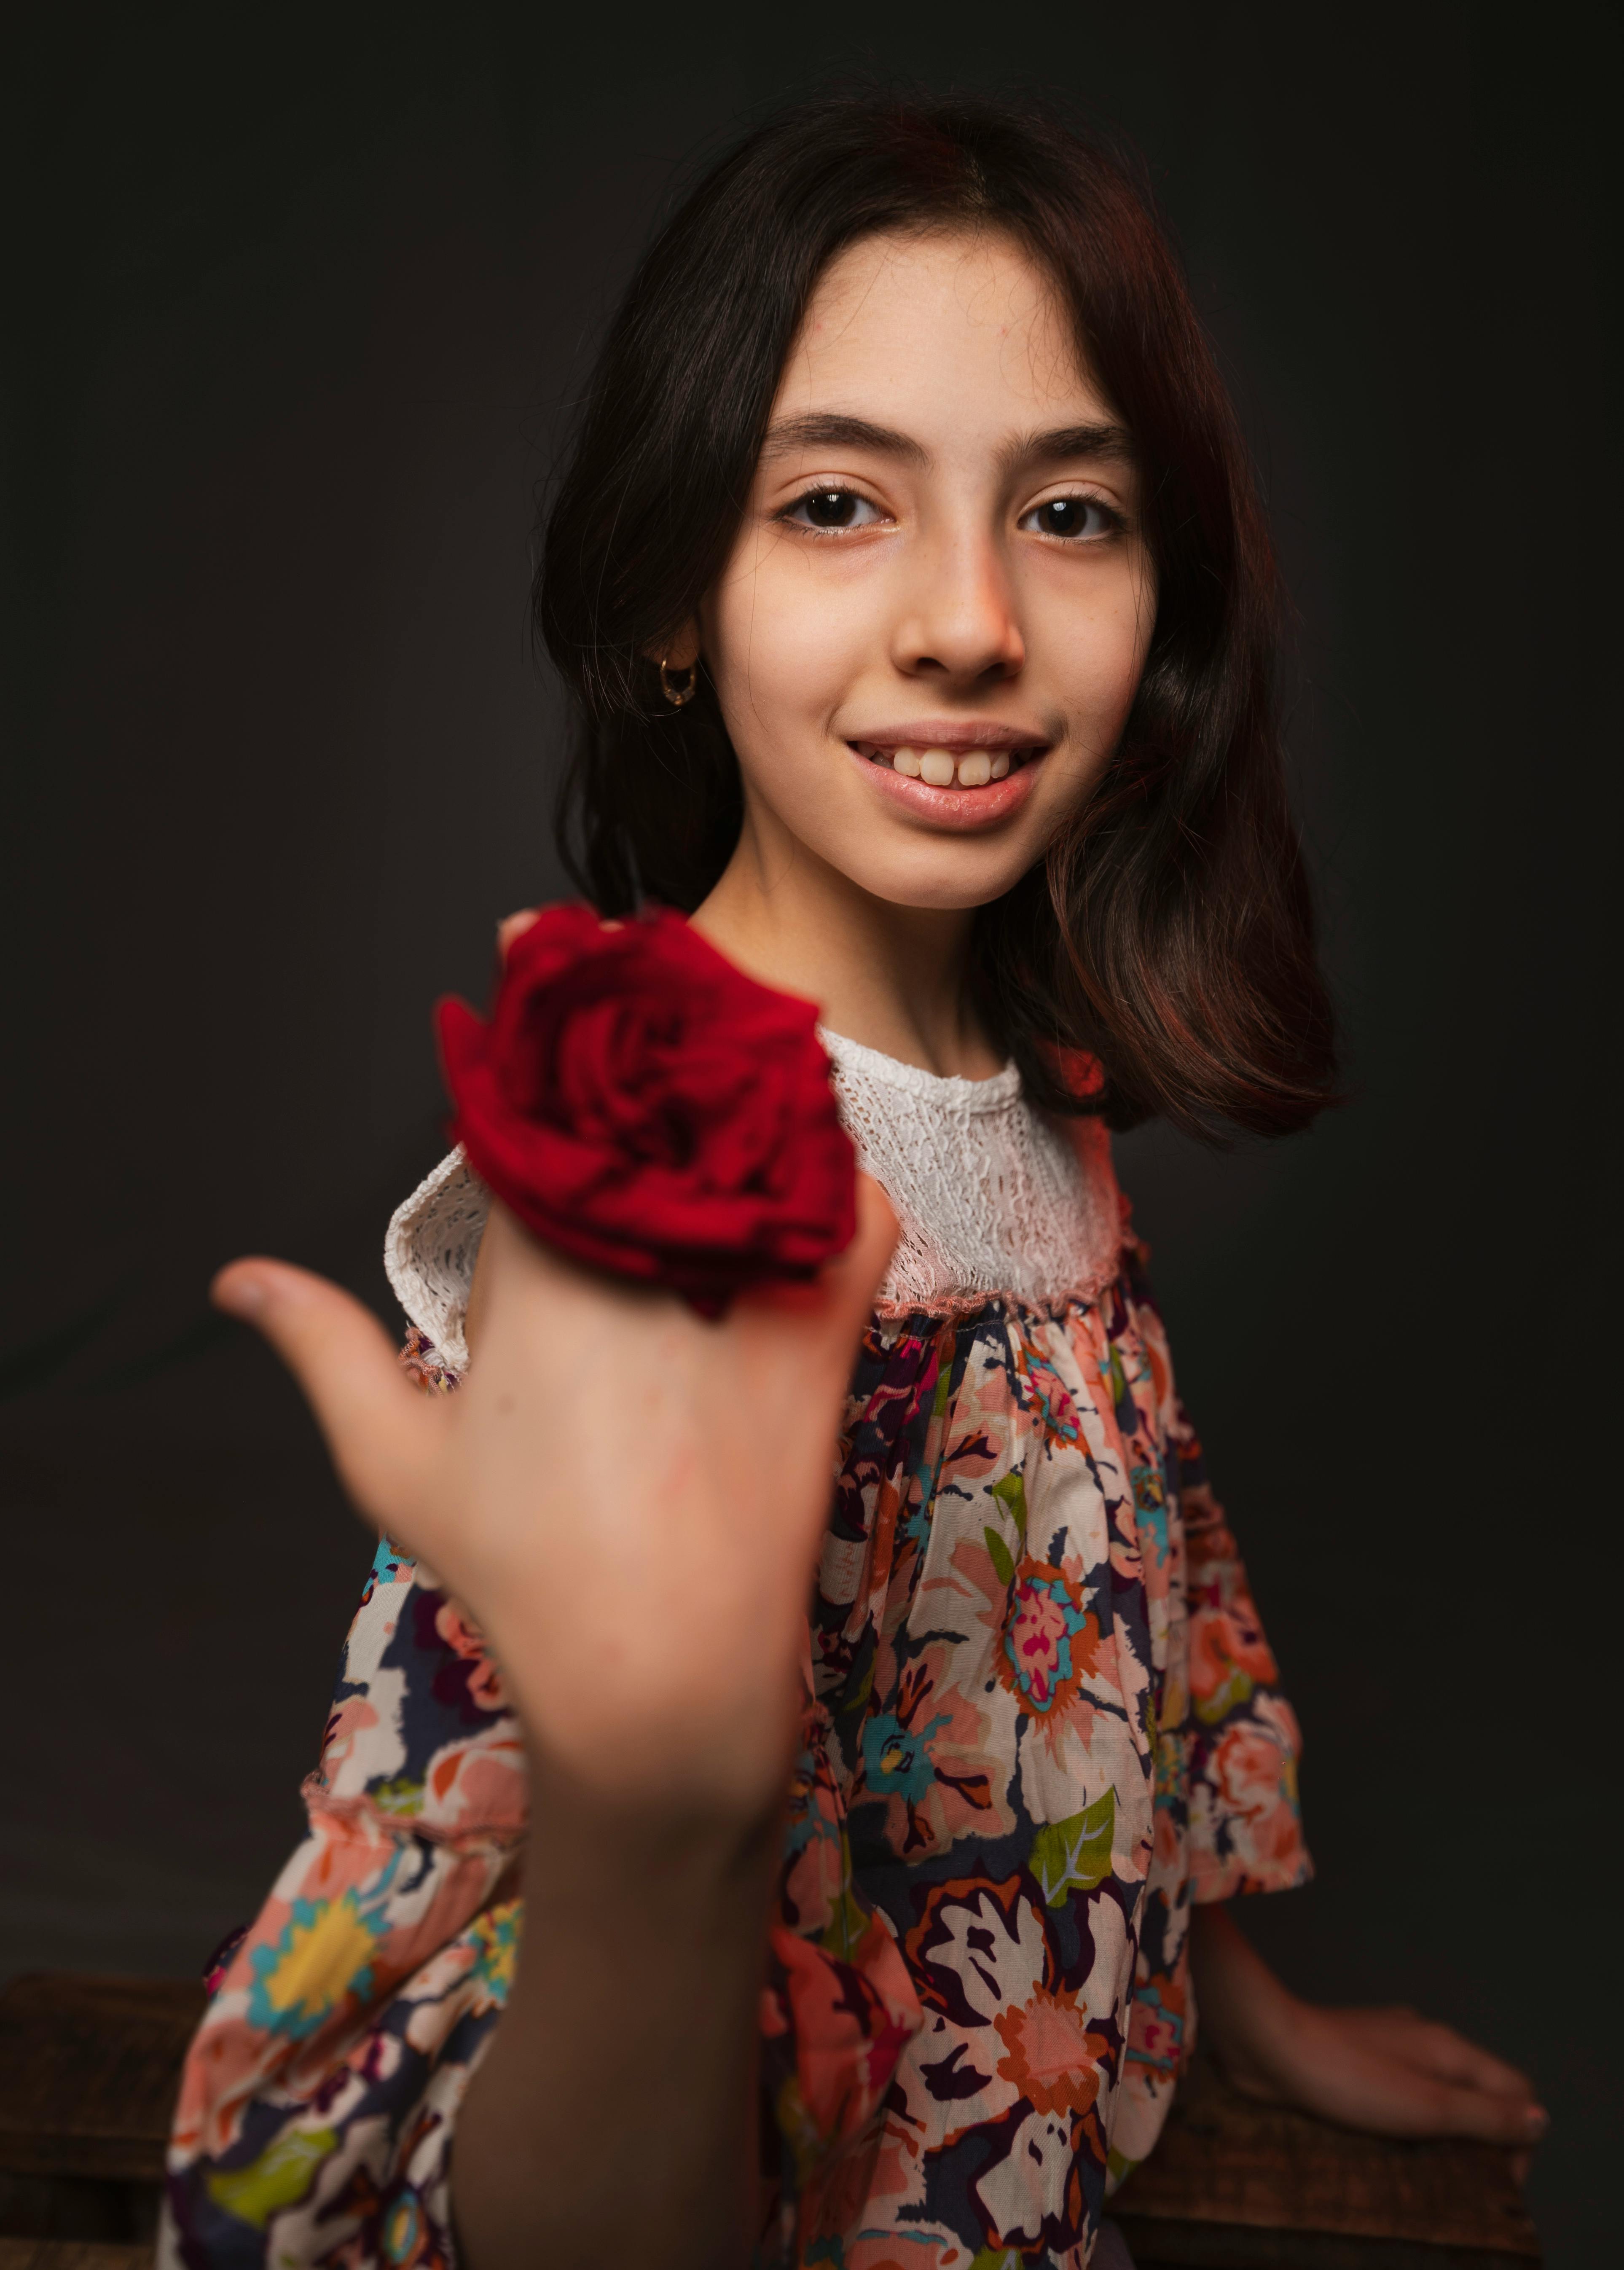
(940, 768)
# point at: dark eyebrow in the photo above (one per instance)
(828, 429)
(1073, 441)
(825, 429)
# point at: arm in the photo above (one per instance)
(1389, 2071)
(628, 1499)
(615, 2106)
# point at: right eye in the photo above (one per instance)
(832, 509)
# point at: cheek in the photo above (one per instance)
(783, 639)
(1095, 656)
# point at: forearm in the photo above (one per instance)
(1238, 1998)
(613, 2115)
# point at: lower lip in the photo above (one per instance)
(965, 809)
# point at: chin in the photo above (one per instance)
(937, 885)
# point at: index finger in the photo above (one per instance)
(1491, 2116)
(512, 926)
(1438, 2049)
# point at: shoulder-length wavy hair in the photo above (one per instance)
(1167, 931)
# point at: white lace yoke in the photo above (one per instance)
(991, 1197)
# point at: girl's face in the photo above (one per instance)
(930, 633)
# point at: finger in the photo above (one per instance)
(1437, 2049)
(1396, 2100)
(854, 1278)
(827, 1311)
(1441, 2050)
(1484, 2115)
(378, 1428)
(512, 926)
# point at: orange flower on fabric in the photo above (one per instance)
(1052, 2058)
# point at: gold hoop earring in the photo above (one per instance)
(678, 694)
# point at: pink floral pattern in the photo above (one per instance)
(1050, 1638)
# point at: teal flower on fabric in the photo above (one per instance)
(1150, 1502)
(1056, 1410)
(1157, 2035)
(896, 1758)
(402, 2228)
(495, 1936)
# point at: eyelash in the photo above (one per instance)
(823, 489)
(1114, 521)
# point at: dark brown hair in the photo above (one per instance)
(1169, 929)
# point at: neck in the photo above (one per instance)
(892, 977)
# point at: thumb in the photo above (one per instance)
(853, 1278)
(379, 1429)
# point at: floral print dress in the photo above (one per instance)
(1041, 1720)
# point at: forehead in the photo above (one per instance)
(967, 317)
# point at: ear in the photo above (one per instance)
(681, 650)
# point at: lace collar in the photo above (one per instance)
(991, 1197)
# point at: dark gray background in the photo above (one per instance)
(296, 308)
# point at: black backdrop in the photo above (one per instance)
(295, 310)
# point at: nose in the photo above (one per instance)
(958, 621)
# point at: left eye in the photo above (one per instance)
(1074, 516)
(833, 509)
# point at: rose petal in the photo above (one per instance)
(644, 1107)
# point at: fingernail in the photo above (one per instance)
(1536, 2120)
(241, 1296)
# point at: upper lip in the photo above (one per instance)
(952, 733)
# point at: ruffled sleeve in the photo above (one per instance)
(1244, 1745)
(318, 2098)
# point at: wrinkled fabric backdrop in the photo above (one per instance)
(296, 310)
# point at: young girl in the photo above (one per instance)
(910, 586)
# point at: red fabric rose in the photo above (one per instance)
(1080, 1072)
(644, 1107)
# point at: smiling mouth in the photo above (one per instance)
(948, 768)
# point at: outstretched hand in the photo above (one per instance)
(1391, 2072)
(1396, 2073)
(627, 1497)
